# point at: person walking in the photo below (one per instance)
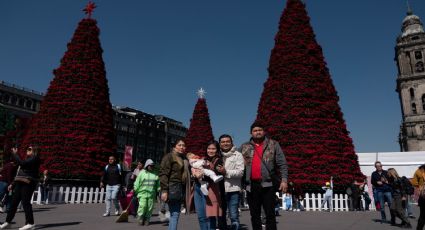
(232, 170)
(112, 178)
(45, 186)
(174, 179)
(146, 188)
(382, 188)
(399, 195)
(23, 186)
(264, 163)
(297, 196)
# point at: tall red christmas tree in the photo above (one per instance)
(74, 127)
(299, 106)
(200, 132)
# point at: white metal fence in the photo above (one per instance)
(85, 195)
(71, 195)
(312, 202)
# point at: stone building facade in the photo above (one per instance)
(19, 101)
(150, 136)
(410, 58)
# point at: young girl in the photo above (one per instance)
(328, 195)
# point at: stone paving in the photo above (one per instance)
(89, 216)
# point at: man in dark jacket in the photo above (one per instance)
(264, 162)
(382, 188)
(112, 178)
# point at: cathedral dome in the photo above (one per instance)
(411, 25)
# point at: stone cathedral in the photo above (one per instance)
(410, 58)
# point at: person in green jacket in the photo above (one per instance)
(146, 187)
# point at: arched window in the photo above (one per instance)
(28, 104)
(21, 101)
(419, 66)
(412, 93)
(414, 108)
(418, 55)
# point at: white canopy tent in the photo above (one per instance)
(405, 163)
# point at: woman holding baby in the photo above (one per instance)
(208, 207)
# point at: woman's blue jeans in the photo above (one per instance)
(205, 223)
(174, 207)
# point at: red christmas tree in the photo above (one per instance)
(74, 127)
(299, 106)
(200, 132)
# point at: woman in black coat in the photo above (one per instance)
(23, 186)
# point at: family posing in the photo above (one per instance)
(212, 187)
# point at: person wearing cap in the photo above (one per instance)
(328, 195)
(264, 160)
(146, 187)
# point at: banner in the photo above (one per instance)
(128, 157)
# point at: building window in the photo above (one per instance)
(13, 100)
(414, 108)
(21, 102)
(6, 98)
(28, 104)
(423, 102)
(419, 66)
(418, 55)
(412, 93)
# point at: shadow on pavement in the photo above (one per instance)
(43, 226)
(43, 209)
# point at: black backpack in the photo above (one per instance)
(407, 186)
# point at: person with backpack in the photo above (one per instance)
(410, 190)
(112, 178)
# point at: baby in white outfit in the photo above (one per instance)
(198, 163)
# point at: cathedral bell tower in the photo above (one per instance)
(410, 58)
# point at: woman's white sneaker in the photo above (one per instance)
(27, 227)
(5, 225)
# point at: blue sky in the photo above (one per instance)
(158, 53)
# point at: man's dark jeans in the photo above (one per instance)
(260, 197)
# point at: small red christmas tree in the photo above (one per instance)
(299, 104)
(74, 127)
(200, 132)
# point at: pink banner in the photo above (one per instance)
(128, 157)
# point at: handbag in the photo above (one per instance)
(276, 180)
(24, 179)
(175, 192)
